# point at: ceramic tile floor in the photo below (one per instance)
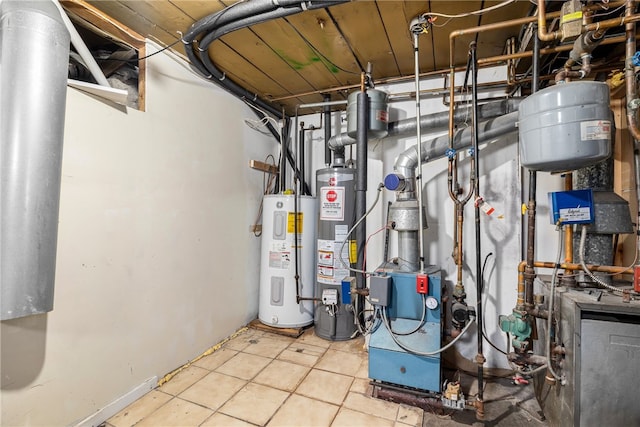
(264, 379)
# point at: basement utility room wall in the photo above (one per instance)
(155, 260)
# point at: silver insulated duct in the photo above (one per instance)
(34, 55)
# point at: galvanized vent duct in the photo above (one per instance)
(34, 57)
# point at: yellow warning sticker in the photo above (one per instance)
(353, 252)
(571, 17)
(291, 225)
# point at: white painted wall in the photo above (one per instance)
(155, 259)
(500, 186)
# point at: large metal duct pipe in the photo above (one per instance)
(403, 180)
(436, 148)
(435, 121)
(34, 57)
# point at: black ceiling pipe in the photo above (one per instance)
(233, 18)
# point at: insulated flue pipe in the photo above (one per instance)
(34, 55)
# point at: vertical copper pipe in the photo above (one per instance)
(568, 231)
(629, 75)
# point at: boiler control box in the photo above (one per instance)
(571, 207)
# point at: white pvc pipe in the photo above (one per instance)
(82, 48)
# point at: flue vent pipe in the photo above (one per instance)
(34, 58)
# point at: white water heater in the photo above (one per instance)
(279, 260)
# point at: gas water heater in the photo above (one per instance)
(282, 259)
(334, 317)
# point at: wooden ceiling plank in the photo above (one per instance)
(361, 25)
(286, 43)
(244, 42)
(396, 16)
(319, 30)
(444, 26)
(250, 77)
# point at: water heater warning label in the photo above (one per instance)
(279, 259)
(332, 203)
(595, 130)
(330, 269)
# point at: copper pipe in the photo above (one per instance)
(520, 300)
(542, 25)
(629, 18)
(629, 75)
(526, 54)
(569, 266)
(482, 63)
(568, 231)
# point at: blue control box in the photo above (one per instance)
(571, 207)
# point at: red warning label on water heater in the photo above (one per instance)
(332, 203)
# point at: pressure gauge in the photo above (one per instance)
(432, 303)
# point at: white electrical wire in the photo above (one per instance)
(423, 319)
(583, 238)
(346, 238)
(552, 292)
(387, 325)
(475, 12)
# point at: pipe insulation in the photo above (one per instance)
(435, 121)
(34, 57)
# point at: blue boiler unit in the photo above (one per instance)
(409, 305)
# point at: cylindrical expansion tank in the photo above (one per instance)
(278, 304)
(378, 113)
(565, 127)
(336, 215)
(34, 58)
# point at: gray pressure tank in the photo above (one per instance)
(336, 215)
(378, 114)
(565, 127)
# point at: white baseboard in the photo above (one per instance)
(118, 405)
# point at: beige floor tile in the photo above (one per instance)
(372, 406)
(213, 390)
(326, 386)
(363, 371)
(177, 412)
(302, 411)
(340, 362)
(298, 357)
(242, 340)
(352, 346)
(265, 346)
(139, 409)
(279, 337)
(215, 359)
(255, 403)
(348, 418)
(183, 380)
(310, 338)
(282, 375)
(410, 415)
(362, 386)
(243, 366)
(222, 420)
